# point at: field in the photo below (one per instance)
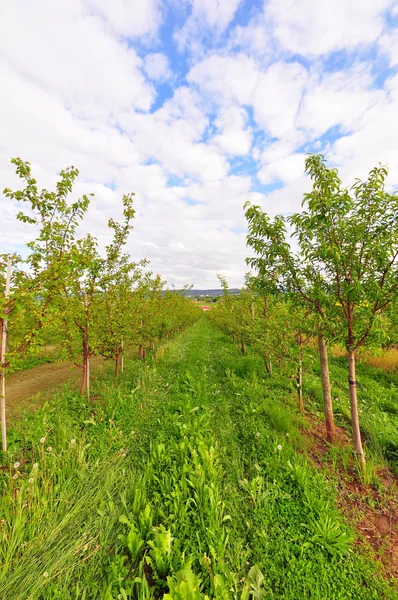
(194, 476)
(199, 300)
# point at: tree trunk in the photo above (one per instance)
(356, 432)
(86, 352)
(268, 365)
(243, 347)
(151, 346)
(327, 393)
(122, 355)
(265, 308)
(84, 377)
(300, 385)
(299, 377)
(88, 373)
(86, 368)
(141, 352)
(3, 364)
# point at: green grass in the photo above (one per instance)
(181, 481)
(30, 361)
(377, 404)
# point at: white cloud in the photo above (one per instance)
(339, 98)
(389, 45)
(173, 136)
(235, 137)
(128, 18)
(226, 79)
(287, 199)
(253, 39)
(207, 16)
(70, 53)
(157, 67)
(277, 98)
(394, 10)
(278, 150)
(78, 86)
(274, 93)
(287, 169)
(373, 142)
(313, 28)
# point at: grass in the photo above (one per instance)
(181, 481)
(377, 404)
(387, 360)
(30, 361)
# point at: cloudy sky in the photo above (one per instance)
(196, 106)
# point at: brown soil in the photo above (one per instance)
(29, 389)
(371, 509)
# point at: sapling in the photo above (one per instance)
(281, 271)
(351, 239)
(39, 284)
(4, 321)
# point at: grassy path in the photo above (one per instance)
(183, 481)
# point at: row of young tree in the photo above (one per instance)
(335, 280)
(65, 290)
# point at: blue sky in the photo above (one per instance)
(196, 106)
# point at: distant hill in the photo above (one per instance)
(219, 292)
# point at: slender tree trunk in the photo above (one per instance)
(243, 347)
(265, 307)
(268, 365)
(141, 352)
(86, 353)
(300, 385)
(86, 368)
(356, 432)
(299, 377)
(151, 346)
(84, 375)
(327, 392)
(3, 365)
(122, 357)
(88, 374)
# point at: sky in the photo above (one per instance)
(196, 106)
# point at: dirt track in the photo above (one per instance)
(23, 389)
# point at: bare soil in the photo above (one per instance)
(371, 509)
(29, 389)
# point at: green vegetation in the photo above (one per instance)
(344, 272)
(183, 479)
(280, 339)
(378, 405)
(192, 471)
(86, 303)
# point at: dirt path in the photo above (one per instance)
(30, 389)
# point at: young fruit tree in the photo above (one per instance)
(352, 236)
(4, 322)
(77, 304)
(36, 286)
(112, 318)
(284, 273)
